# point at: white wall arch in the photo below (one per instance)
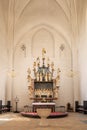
(43, 38)
(57, 30)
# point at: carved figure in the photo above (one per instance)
(43, 53)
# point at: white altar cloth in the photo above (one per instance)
(43, 103)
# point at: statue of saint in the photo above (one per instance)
(40, 76)
(43, 53)
(56, 92)
(58, 77)
(29, 77)
(37, 76)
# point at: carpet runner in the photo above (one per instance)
(52, 114)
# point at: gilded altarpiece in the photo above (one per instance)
(43, 87)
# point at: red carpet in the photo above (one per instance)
(52, 115)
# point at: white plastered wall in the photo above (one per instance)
(82, 53)
(3, 55)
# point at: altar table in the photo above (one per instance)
(50, 105)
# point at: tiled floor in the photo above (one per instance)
(13, 121)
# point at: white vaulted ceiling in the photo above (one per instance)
(30, 13)
(36, 12)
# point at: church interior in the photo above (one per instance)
(43, 64)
